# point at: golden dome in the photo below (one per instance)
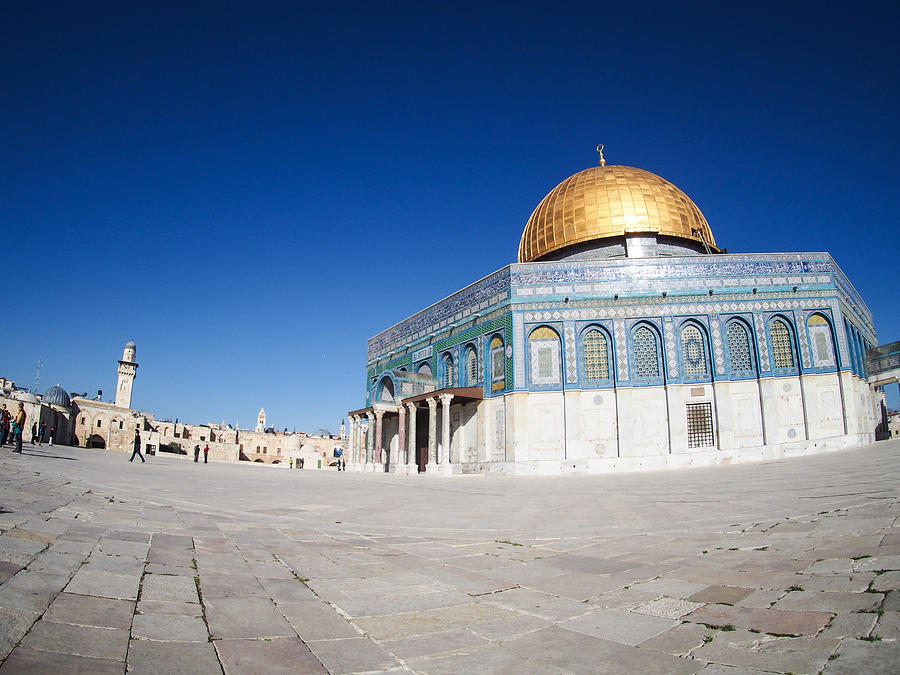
(610, 201)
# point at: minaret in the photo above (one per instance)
(261, 420)
(127, 371)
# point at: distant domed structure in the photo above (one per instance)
(57, 396)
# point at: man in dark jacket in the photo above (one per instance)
(137, 445)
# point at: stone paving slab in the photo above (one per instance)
(277, 655)
(105, 584)
(88, 610)
(619, 625)
(245, 617)
(65, 638)
(166, 588)
(27, 661)
(775, 621)
(160, 658)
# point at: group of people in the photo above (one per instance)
(205, 453)
(300, 462)
(12, 427)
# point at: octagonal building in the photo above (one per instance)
(624, 339)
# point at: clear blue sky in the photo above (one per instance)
(252, 190)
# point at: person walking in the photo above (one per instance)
(41, 431)
(52, 434)
(5, 422)
(19, 428)
(205, 452)
(196, 454)
(137, 445)
(33, 433)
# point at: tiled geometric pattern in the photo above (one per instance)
(801, 338)
(782, 353)
(739, 348)
(671, 356)
(544, 357)
(621, 351)
(717, 346)
(596, 356)
(645, 353)
(571, 355)
(518, 342)
(822, 346)
(485, 296)
(761, 341)
(472, 367)
(498, 363)
(692, 344)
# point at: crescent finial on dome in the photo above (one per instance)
(602, 158)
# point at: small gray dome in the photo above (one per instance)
(130, 345)
(57, 396)
(28, 397)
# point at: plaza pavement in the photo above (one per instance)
(176, 567)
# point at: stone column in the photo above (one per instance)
(401, 436)
(432, 432)
(370, 437)
(445, 423)
(356, 443)
(411, 441)
(379, 414)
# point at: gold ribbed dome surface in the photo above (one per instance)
(611, 201)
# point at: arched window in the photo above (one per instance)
(740, 355)
(447, 371)
(498, 364)
(782, 347)
(424, 368)
(544, 357)
(386, 390)
(693, 348)
(821, 341)
(472, 366)
(596, 355)
(645, 354)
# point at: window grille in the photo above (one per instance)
(596, 356)
(694, 350)
(739, 348)
(646, 356)
(448, 372)
(700, 425)
(781, 345)
(473, 367)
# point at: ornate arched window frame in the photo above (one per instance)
(778, 341)
(583, 365)
(544, 365)
(448, 371)
(821, 335)
(497, 362)
(384, 382)
(687, 354)
(471, 361)
(636, 351)
(735, 372)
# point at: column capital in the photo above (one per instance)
(411, 406)
(379, 414)
(432, 403)
(446, 398)
(370, 416)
